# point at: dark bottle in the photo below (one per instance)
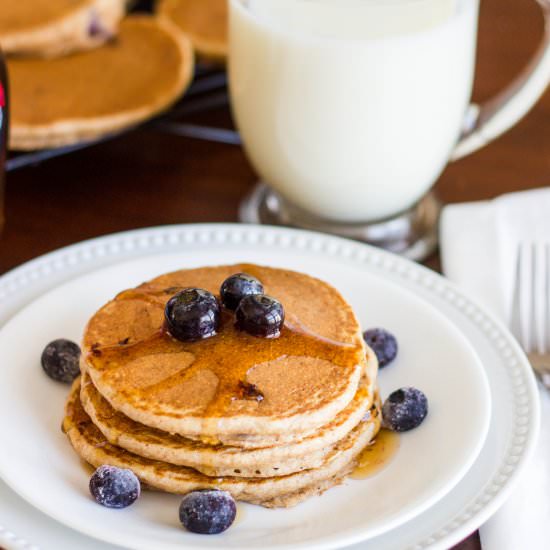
(3, 133)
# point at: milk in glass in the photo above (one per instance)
(350, 108)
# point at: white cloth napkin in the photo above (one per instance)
(478, 253)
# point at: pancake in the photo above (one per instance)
(50, 28)
(341, 424)
(204, 21)
(221, 460)
(91, 445)
(304, 378)
(84, 96)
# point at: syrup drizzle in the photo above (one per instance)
(376, 455)
(229, 357)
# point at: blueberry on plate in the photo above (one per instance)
(404, 410)
(207, 512)
(236, 287)
(383, 343)
(192, 314)
(114, 487)
(60, 360)
(260, 315)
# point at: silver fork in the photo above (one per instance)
(530, 320)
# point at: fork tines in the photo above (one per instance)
(530, 319)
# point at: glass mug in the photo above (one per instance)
(350, 110)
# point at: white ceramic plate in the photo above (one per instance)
(434, 356)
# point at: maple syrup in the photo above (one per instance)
(376, 455)
(241, 515)
(3, 133)
(230, 356)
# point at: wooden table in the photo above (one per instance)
(148, 178)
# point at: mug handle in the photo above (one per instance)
(484, 123)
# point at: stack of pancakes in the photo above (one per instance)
(273, 421)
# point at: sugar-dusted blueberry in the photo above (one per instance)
(60, 360)
(404, 410)
(114, 487)
(207, 512)
(192, 314)
(383, 343)
(260, 315)
(236, 287)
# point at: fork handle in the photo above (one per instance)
(486, 122)
(541, 366)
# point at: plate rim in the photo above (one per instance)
(69, 262)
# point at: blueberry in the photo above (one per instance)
(60, 360)
(383, 343)
(404, 410)
(236, 287)
(260, 315)
(208, 512)
(192, 314)
(95, 28)
(114, 487)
